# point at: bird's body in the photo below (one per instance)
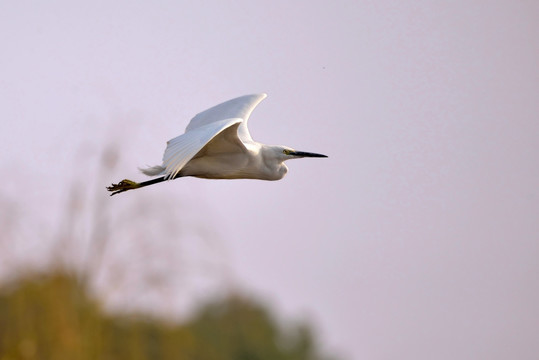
(217, 145)
(253, 163)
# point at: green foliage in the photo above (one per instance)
(53, 317)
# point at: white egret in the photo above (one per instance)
(217, 145)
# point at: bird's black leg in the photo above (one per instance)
(126, 185)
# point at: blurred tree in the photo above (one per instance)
(53, 317)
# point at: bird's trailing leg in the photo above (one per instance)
(122, 186)
(126, 184)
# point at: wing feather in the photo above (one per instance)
(183, 148)
(240, 107)
(203, 128)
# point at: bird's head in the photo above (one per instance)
(274, 157)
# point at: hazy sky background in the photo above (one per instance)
(417, 238)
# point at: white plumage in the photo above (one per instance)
(204, 127)
(217, 145)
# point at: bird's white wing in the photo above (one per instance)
(240, 107)
(183, 148)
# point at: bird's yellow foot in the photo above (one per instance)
(122, 186)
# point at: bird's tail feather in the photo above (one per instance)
(153, 170)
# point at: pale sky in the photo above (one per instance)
(417, 238)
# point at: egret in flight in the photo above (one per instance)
(217, 145)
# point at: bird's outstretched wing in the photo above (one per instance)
(183, 148)
(240, 107)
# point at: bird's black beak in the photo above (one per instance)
(306, 154)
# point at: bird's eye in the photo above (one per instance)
(286, 152)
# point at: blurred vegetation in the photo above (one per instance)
(59, 310)
(52, 317)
